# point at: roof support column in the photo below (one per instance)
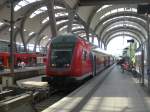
(93, 36)
(148, 52)
(71, 16)
(51, 14)
(99, 43)
(105, 47)
(87, 33)
(23, 40)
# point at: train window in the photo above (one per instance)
(1, 61)
(84, 55)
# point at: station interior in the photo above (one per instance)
(74, 56)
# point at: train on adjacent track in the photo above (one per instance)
(30, 59)
(72, 59)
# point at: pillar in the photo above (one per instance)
(51, 14)
(148, 53)
(23, 40)
(71, 16)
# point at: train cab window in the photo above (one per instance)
(61, 58)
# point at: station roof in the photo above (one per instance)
(105, 19)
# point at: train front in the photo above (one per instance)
(59, 63)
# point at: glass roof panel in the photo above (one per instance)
(23, 3)
(56, 15)
(103, 7)
(61, 14)
(123, 25)
(58, 7)
(31, 33)
(119, 10)
(42, 9)
(77, 26)
(62, 28)
(123, 17)
(1, 23)
(45, 20)
(62, 21)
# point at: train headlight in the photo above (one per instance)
(67, 65)
(53, 65)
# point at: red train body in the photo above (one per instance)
(70, 57)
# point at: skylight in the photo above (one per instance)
(45, 37)
(58, 7)
(62, 21)
(62, 28)
(123, 17)
(1, 23)
(123, 25)
(31, 33)
(56, 15)
(45, 20)
(23, 3)
(61, 14)
(119, 10)
(42, 9)
(77, 26)
(103, 7)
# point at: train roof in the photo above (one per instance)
(104, 52)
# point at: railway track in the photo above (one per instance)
(48, 102)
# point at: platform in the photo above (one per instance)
(7, 71)
(8, 79)
(111, 91)
(34, 82)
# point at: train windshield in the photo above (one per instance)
(61, 58)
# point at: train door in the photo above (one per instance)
(93, 60)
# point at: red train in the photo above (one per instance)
(71, 59)
(29, 59)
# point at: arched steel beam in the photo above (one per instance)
(31, 8)
(93, 14)
(46, 25)
(108, 9)
(121, 27)
(142, 30)
(108, 24)
(78, 31)
(43, 28)
(129, 35)
(4, 27)
(138, 35)
(66, 23)
(30, 38)
(47, 44)
(118, 15)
